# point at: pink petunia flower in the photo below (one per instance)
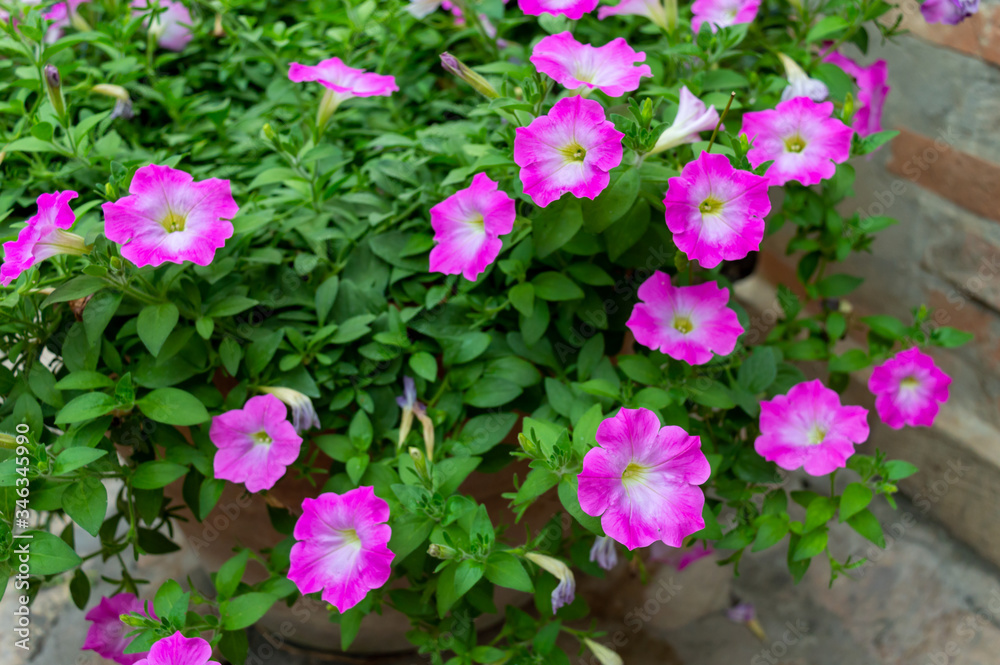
(345, 82)
(693, 116)
(342, 546)
(62, 15)
(107, 635)
(723, 13)
(873, 88)
(688, 323)
(950, 12)
(170, 218)
(642, 480)
(809, 428)
(569, 150)
(256, 443)
(44, 236)
(716, 212)
(802, 139)
(179, 650)
(610, 68)
(907, 389)
(573, 9)
(467, 228)
(171, 27)
(654, 10)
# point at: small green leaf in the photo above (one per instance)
(155, 323)
(855, 498)
(245, 610)
(173, 407)
(49, 554)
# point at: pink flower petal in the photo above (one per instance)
(573, 9)
(610, 68)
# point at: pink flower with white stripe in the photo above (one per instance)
(44, 236)
(342, 546)
(801, 138)
(569, 150)
(169, 218)
(909, 389)
(573, 9)
(873, 88)
(256, 443)
(809, 428)
(654, 10)
(643, 480)
(610, 68)
(179, 650)
(723, 13)
(467, 228)
(716, 212)
(688, 323)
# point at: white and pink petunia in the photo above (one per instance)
(571, 149)
(107, 635)
(44, 236)
(642, 480)
(170, 23)
(688, 323)
(467, 228)
(949, 12)
(342, 546)
(716, 212)
(693, 116)
(808, 428)
(573, 9)
(342, 81)
(169, 218)
(873, 88)
(256, 443)
(909, 389)
(62, 15)
(723, 13)
(654, 10)
(611, 68)
(801, 138)
(179, 650)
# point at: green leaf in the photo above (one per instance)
(614, 202)
(865, 523)
(98, 313)
(849, 361)
(886, 326)
(230, 573)
(640, 369)
(408, 532)
(555, 286)
(855, 498)
(553, 226)
(819, 512)
(84, 380)
(171, 602)
(455, 581)
(424, 365)
(898, 469)
(49, 554)
(811, 544)
(759, 370)
(711, 394)
(569, 497)
(155, 323)
(74, 458)
(85, 407)
(950, 337)
(86, 503)
(488, 393)
(79, 589)
(245, 610)
(522, 297)
(770, 531)
(173, 407)
(627, 231)
(837, 286)
(826, 27)
(506, 570)
(78, 287)
(156, 474)
(230, 353)
(230, 306)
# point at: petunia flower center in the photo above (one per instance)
(262, 438)
(683, 325)
(816, 435)
(795, 143)
(574, 152)
(173, 222)
(909, 383)
(710, 206)
(633, 472)
(478, 223)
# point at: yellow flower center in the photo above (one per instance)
(683, 325)
(909, 382)
(261, 437)
(795, 144)
(710, 206)
(632, 471)
(816, 435)
(173, 222)
(574, 152)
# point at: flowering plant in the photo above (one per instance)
(259, 245)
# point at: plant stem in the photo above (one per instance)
(722, 117)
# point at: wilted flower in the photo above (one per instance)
(693, 116)
(179, 650)
(107, 635)
(44, 236)
(688, 323)
(661, 12)
(407, 402)
(565, 591)
(643, 480)
(908, 389)
(603, 552)
(304, 415)
(603, 654)
(801, 138)
(123, 102)
(809, 428)
(715, 211)
(256, 443)
(467, 228)
(170, 218)
(799, 83)
(722, 13)
(610, 68)
(342, 546)
(571, 149)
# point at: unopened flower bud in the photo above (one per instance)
(441, 551)
(419, 462)
(53, 85)
(135, 622)
(462, 71)
(527, 445)
(217, 29)
(111, 90)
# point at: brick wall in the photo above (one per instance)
(941, 179)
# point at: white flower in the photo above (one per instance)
(693, 116)
(604, 655)
(799, 84)
(303, 413)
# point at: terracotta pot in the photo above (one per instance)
(241, 520)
